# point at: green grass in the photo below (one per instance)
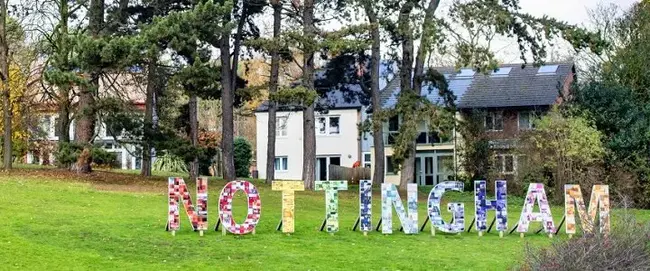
(48, 224)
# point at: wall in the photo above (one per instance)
(346, 144)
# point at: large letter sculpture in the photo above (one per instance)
(483, 205)
(198, 217)
(225, 207)
(331, 201)
(536, 193)
(288, 189)
(457, 209)
(599, 199)
(365, 205)
(389, 197)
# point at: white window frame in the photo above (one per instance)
(531, 116)
(328, 119)
(284, 161)
(502, 170)
(366, 162)
(281, 131)
(493, 114)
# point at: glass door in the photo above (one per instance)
(445, 167)
(428, 170)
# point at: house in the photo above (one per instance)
(337, 137)
(126, 87)
(511, 96)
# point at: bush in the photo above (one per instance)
(104, 159)
(626, 248)
(170, 163)
(243, 156)
(67, 155)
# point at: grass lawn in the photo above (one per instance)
(56, 220)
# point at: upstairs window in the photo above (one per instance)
(393, 129)
(281, 126)
(367, 160)
(494, 121)
(505, 164)
(526, 120)
(329, 125)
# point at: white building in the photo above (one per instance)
(338, 141)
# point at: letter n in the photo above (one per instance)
(177, 191)
(390, 197)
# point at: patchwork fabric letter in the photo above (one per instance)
(457, 209)
(254, 207)
(177, 191)
(483, 205)
(536, 193)
(288, 189)
(390, 197)
(365, 205)
(332, 189)
(599, 199)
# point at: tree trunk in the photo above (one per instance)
(4, 75)
(194, 135)
(86, 121)
(377, 120)
(227, 103)
(308, 115)
(63, 128)
(149, 125)
(406, 85)
(273, 88)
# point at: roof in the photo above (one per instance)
(347, 96)
(508, 86)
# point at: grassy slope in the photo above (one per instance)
(54, 224)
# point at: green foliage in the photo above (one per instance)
(103, 158)
(564, 148)
(67, 154)
(243, 156)
(475, 153)
(169, 163)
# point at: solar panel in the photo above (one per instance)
(465, 73)
(501, 72)
(547, 69)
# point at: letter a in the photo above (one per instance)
(536, 193)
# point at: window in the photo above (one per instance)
(494, 121)
(505, 164)
(367, 160)
(281, 163)
(57, 133)
(526, 120)
(328, 126)
(45, 126)
(390, 167)
(393, 129)
(281, 126)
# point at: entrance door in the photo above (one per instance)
(428, 170)
(445, 167)
(322, 166)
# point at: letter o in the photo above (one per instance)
(225, 207)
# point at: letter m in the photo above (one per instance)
(599, 200)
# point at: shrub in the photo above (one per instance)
(104, 159)
(243, 156)
(169, 163)
(626, 248)
(67, 154)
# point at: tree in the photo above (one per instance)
(565, 147)
(273, 89)
(418, 24)
(244, 13)
(85, 128)
(4, 77)
(243, 155)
